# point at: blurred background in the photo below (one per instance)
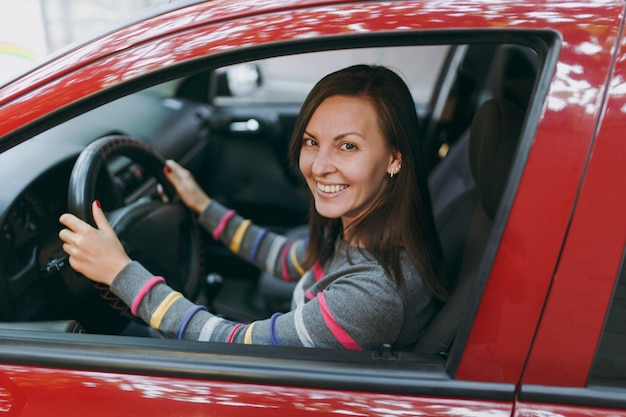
(32, 29)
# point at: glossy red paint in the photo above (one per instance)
(146, 31)
(532, 307)
(529, 249)
(544, 410)
(496, 349)
(585, 278)
(110, 60)
(79, 393)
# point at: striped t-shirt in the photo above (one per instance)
(348, 302)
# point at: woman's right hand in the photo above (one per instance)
(95, 252)
(186, 186)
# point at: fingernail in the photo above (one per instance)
(98, 203)
(167, 169)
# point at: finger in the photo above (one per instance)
(177, 169)
(171, 172)
(66, 235)
(162, 194)
(176, 175)
(172, 164)
(72, 222)
(69, 249)
(172, 169)
(98, 216)
(71, 253)
(167, 168)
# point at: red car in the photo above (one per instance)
(522, 107)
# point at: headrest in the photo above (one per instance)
(494, 136)
(515, 70)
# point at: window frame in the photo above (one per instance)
(385, 371)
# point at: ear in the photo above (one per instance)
(395, 163)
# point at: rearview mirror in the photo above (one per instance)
(238, 80)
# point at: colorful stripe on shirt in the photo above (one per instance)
(285, 267)
(339, 332)
(294, 259)
(318, 271)
(159, 313)
(274, 253)
(235, 242)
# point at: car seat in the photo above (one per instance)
(513, 75)
(493, 139)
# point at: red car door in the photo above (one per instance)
(577, 364)
(95, 375)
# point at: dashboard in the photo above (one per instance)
(35, 283)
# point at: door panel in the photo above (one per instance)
(584, 282)
(32, 391)
(550, 164)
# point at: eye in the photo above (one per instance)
(309, 143)
(348, 146)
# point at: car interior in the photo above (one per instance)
(230, 125)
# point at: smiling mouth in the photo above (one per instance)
(331, 188)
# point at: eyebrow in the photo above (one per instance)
(338, 137)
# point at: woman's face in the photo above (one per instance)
(345, 158)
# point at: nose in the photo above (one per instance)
(322, 163)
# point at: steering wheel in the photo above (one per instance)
(162, 236)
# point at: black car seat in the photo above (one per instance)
(493, 139)
(513, 73)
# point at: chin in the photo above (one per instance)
(328, 212)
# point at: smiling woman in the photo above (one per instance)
(356, 128)
(341, 139)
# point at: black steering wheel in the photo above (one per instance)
(162, 236)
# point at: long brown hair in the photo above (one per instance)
(402, 218)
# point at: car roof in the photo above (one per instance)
(167, 17)
(171, 18)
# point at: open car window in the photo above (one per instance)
(230, 125)
(288, 79)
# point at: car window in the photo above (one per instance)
(288, 79)
(609, 368)
(246, 168)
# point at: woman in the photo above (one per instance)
(370, 271)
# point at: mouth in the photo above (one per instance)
(331, 189)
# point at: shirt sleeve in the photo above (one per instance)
(271, 252)
(358, 311)
(361, 310)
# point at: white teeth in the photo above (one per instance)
(331, 188)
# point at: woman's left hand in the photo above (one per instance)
(97, 253)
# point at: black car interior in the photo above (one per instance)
(468, 184)
(238, 154)
(493, 141)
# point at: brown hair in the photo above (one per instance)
(403, 215)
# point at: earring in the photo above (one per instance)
(395, 171)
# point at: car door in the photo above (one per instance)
(116, 374)
(576, 365)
